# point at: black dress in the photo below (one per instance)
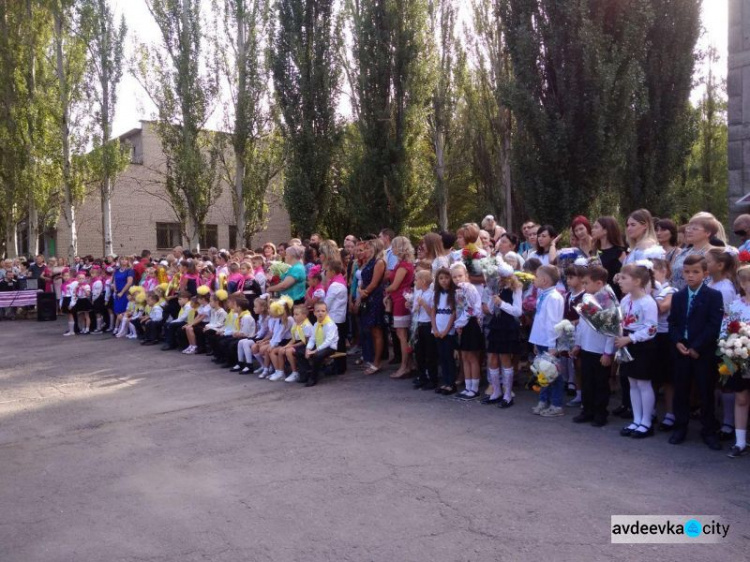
(504, 330)
(610, 259)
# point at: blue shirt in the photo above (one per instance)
(391, 260)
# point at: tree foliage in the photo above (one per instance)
(306, 77)
(182, 79)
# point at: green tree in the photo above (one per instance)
(702, 183)
(576, 81)
(183, 80)
(69, 47)
(663, 120)
(306, 77)
(105, 66)
(257, 147)
(393, 74)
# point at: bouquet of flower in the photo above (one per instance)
(410, 304)
(525, 278)
(602, 313)
(277, 270)
(734, 351)
(566, 335)
(471, 256)
(545, 368)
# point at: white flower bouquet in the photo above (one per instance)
(566, 335)
(734, 351)
(602, 313)
(545, 368)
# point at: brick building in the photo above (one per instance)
(142, 217)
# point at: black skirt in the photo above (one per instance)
(99, 306)
(506, 341)
(644, 361)
(66, 306)
(737, 383)
(83, 305)
(471, 338)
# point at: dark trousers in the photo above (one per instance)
(140, 328)
(396, 343)
(172, 332)
(339, 364)
(595, 390)
(446, 347)
(309, 368)
(153, 330)
(210, 339)
(223, 348)
(426, 354)
(702, 373)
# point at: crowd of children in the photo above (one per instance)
(451, 315)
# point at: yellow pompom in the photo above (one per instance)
(140, 298)
(203, 290)
(222, 295)
(163, 286)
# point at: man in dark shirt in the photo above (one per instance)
(8, 283)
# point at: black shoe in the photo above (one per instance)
(571, 390)
(599, 422)
(643, 434)
(166, 347)
(209, 353)
(713, 442)
(505, 403)
(620, 409)
(664, 426)
(429, 386)
(150, 342)
(448, 390)
(735, 452)
(725, 435)
(678, 436)
(583, 418)
(311, 382)
(627, 431)
(417, 384)
(487, 400)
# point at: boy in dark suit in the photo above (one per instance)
(694, 326)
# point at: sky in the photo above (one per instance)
(134, 105)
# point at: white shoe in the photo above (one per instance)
(69, 333)
(277, 376)
(245, 371)
(190, 350)
(259, 370)
(132, 336)
(263, 374)
(539, 408)
(294, 377)
(552, 412)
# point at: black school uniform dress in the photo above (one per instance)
(504, 329)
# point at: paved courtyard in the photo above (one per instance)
(113, 452)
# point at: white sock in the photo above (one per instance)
(578, 395)
(669, 416)
(71, 325)
(131, 329)
(494, 376)
(727, 401)
(648, 399)
(258, 358)
(508, 384)
(635, 401)
(741, 437)
(475, 385)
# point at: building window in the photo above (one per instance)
(168, 235)
(210, 236)
(232, 237)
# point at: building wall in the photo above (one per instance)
(738, 89)
(139, 202)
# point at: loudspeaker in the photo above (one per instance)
(46, 307)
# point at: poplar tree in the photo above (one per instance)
(306, 78)
(257, 156)
(105, 48)
(183, 81)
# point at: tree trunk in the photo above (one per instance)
(440, 191)
(11, 240)
(33, 226)
(506, 172)
(69, 210)
(107, 218)
(239, 207)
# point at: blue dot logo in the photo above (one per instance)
(693, 528)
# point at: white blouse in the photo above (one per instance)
(640, 317)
